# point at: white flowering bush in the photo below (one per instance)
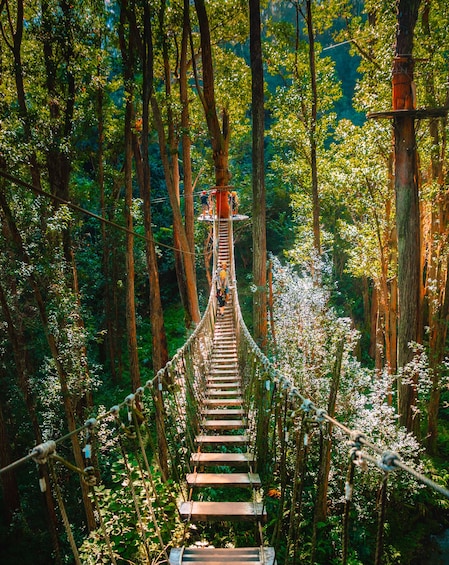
(307, 336)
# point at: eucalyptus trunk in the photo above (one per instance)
(219, 134)
(258, 181)
(407, 209)
(312, 131)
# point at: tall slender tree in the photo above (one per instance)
(258, 179)
(219, 134)
(407, 207)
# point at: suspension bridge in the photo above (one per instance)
(230, 420)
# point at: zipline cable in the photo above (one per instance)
(82, 210)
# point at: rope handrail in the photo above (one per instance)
(387, 460)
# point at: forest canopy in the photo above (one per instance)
(115, 116)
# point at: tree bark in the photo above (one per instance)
(54, 349)
(21, 359)
(407, 208)
(320, 513)
(219, 135)
(127, 50)
(312, 132)
(258, 168)
(189, 212)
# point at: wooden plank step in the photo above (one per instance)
(224, 393)
(224, 386)
(223, 401)
(205, 511)
(216, 375)
(223, 424)
(221, 439)
(222, 412)
(217, 480)
(224, 556)
(231, 459)
(221, 556)
(219, 376)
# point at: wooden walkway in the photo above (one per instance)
(223, 459)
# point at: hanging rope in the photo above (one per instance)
(131, 434)
(349, 486)
(136, 415)
(382, 503)
(63, 511)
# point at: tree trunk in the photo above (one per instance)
(219, 135)
(312, 132)
(20, 352)
(127, 50)
(320, 513)
(10, 488)
(259, 202)
(407, 208)
(17, 35)
(437, 262)
(53, 346)
(189, 212)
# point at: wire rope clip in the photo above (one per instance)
(129, 400)
(90, 423)
(89, 476)
(387, 461)
(356, 439)
(306, 405)
(320, 415)
(43, 451)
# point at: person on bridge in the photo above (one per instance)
(234, 202)
(205, 204)
(221, 301)
(223, 279)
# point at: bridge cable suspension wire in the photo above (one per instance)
(82, 210)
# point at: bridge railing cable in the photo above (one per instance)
(284, 425)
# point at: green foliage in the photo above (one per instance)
(128, 534)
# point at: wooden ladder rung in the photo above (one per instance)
(223, 385)
(223, 424)
(224, 393)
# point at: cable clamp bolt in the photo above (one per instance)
(41, 452)
(90, 423)
(320, 415)
(89, 476)
(387, 461)
(129, 400)
(355, 439)
(306, 405)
